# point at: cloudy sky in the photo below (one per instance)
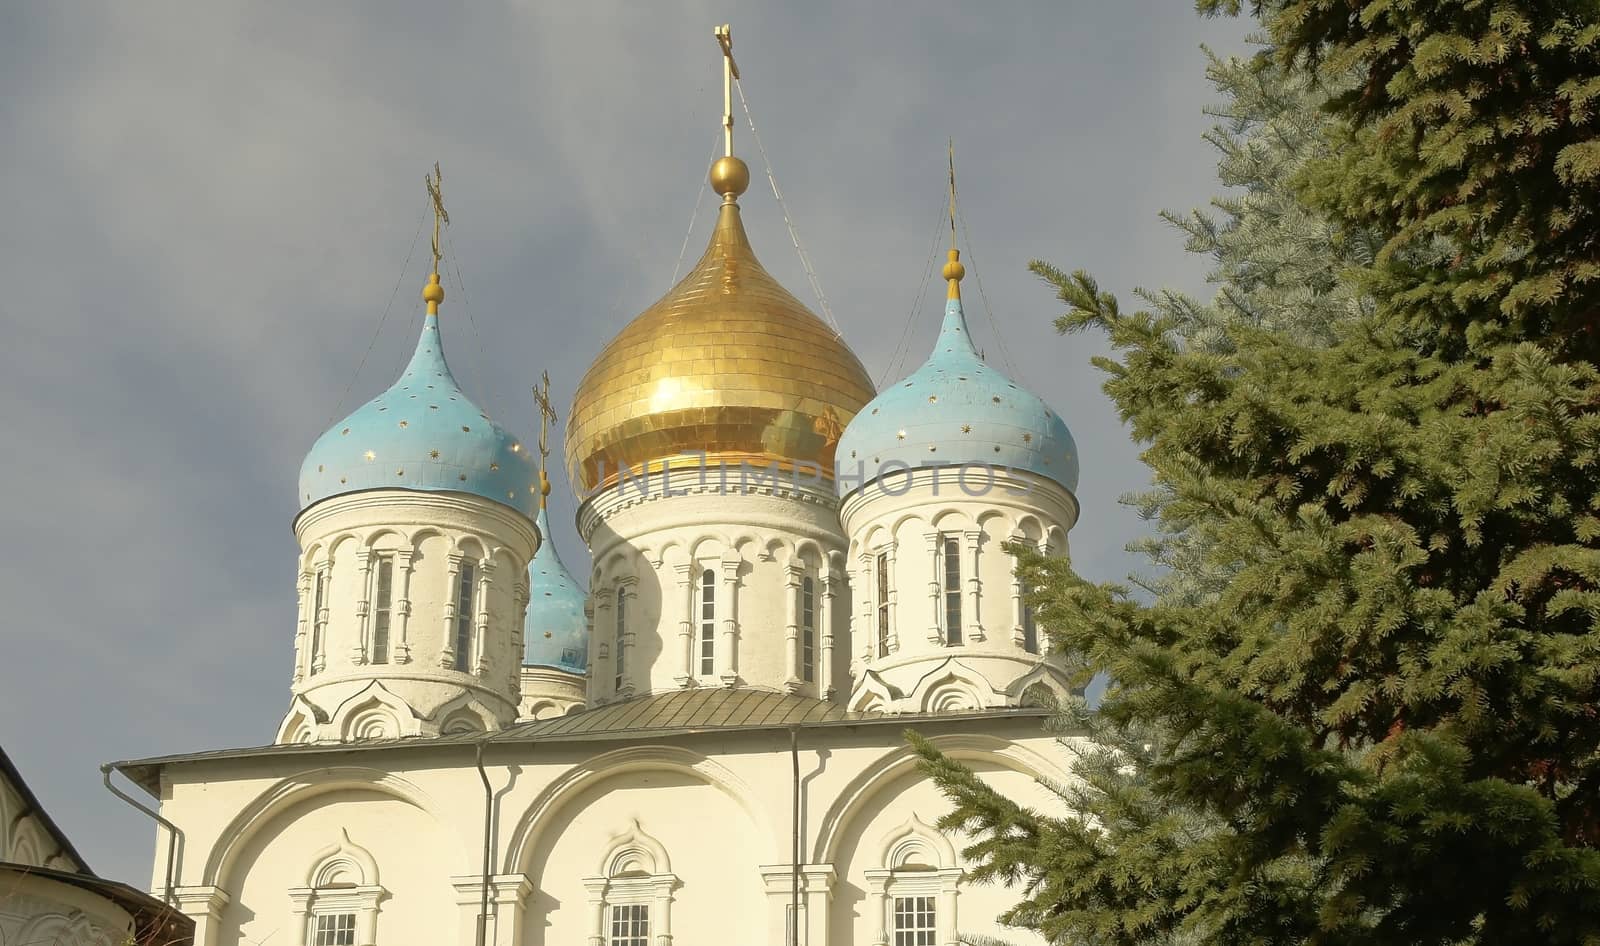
(204, 210)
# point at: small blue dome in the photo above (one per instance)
(955, 410)
(423, 433)
(555, 632)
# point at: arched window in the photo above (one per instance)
(339, 903)
(632, 893)
(708, 622)
(319, 617)
(883, 604)
(619, 642)
(1030, 630)
(950, 573)
(382, 608)
(465, 595)
(808, 628)
(914, 892)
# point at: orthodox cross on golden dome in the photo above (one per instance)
(433, 292)
(547, 416)
(729, 175)
(730, 72)
(953, 270)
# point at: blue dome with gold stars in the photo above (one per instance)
(955, 410)
(555, 632)
(422, 433)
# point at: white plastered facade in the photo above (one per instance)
(350, 684)
(697, 828)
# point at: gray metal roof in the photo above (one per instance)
(677, 713)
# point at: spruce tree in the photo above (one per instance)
(1384, 727)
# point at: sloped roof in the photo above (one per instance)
(659, 715)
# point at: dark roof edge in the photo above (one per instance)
(146, 773)
(147, 909)
(32, 806)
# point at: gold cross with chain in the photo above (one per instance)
(547, 417)
(440, 215)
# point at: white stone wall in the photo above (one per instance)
(654, 549)
(700, 828)
(903, 518)
(340, 692)
(548, 692)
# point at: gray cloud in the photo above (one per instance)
(205, 208)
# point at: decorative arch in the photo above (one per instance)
(916, 845)
(464, 713)
(301, 787)
(899, 761)
(343, 879)
(374, 713)
(342, 864)
(530, 828)
(302, 720)
(633, 852)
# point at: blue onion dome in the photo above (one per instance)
(954, 410)
(555, 632)
(423, 433)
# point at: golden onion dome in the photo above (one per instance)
(728, 363)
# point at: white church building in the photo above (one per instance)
(704, 746)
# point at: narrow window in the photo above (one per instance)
(883, 604)
(630, 925)
(381, 609)
(950, 553)
(913, 921)
(319, 617)
(336, 929)
(464, 617)
(1030, 630)
(808, 628)
(622, 630)
(708, 623)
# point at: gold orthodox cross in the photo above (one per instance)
(547, 415)
(440, 215)
(730, 72)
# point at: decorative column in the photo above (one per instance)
(596, 887)
(867, 639)
(825, 670)
(685, 674)
(204, 905)
(508, 894)
(600, 654)
(878, 905)
(945, 920)
(974, 629)
(480, 620)
(894, 603)
(1016, 595)
(624, 637)
(791, 627)
(303, 627)
(729, 669)
(402, 608)
(935, 590)
(447, 654)
(358, 647)
(519, 613)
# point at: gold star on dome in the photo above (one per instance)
(433, 454)
(1027, 438)
(370, 456)
(900, 436)
(966, 428)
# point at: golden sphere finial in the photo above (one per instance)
(730, 176)
(953, 269)
(433, 294)
(544, 484)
